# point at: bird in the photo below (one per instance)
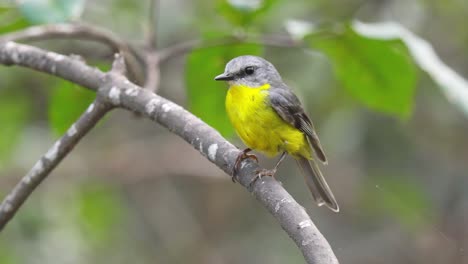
(270, 119)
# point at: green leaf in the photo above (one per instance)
(14, 114)
(51, 11)
(379, 73)
(206, 97)
(11, 20)
(452, 84)
(100, 212)
(243, 12)
(404, 200)
(67, 102)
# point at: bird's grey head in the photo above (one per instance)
(249, 70)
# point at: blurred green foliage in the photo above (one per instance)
(31, 222)
(7, 255)
(404, 200)
(12, 20)
(67, 102)
(243, 12)
(14, 114)
(378, 73)
(100, 212)
(51, 11)
(206, 97)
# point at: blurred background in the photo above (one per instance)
(133, 192)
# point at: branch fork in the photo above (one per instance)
(115, 90)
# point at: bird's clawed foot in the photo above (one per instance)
(262, 173)
(242, 156)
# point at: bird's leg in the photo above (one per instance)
(242, 156)
(265, 172)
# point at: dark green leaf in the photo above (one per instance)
(14, 113)
(243, 12)
(453, 85)
(379, 73)
(52, 11)
(67, 102)
(206, 97)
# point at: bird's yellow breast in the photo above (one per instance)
(259, 126)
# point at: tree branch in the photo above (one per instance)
(282, 41)
(50, 160)
(117, 90)
(82, 31)
(150, 34)
(53, 63)
(153, 71)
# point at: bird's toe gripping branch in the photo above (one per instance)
(237, 165)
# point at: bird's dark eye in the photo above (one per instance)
(249, 70)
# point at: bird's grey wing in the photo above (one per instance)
(289, 108)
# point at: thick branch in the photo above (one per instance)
(56, 64)
(120, 92)
(291, 216)
(50, 160)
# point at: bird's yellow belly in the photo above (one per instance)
(259, 126)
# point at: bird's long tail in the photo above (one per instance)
(317, 184)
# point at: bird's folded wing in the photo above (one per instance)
(289, 108)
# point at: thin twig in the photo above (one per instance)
(48, 31)
(282, 41)
(82, 31)
(50, 160)
(152, 72)
(151, 41)
(116, 89)
(179, 49)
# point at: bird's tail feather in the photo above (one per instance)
(317, 184)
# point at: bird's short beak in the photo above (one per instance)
(224, 77)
